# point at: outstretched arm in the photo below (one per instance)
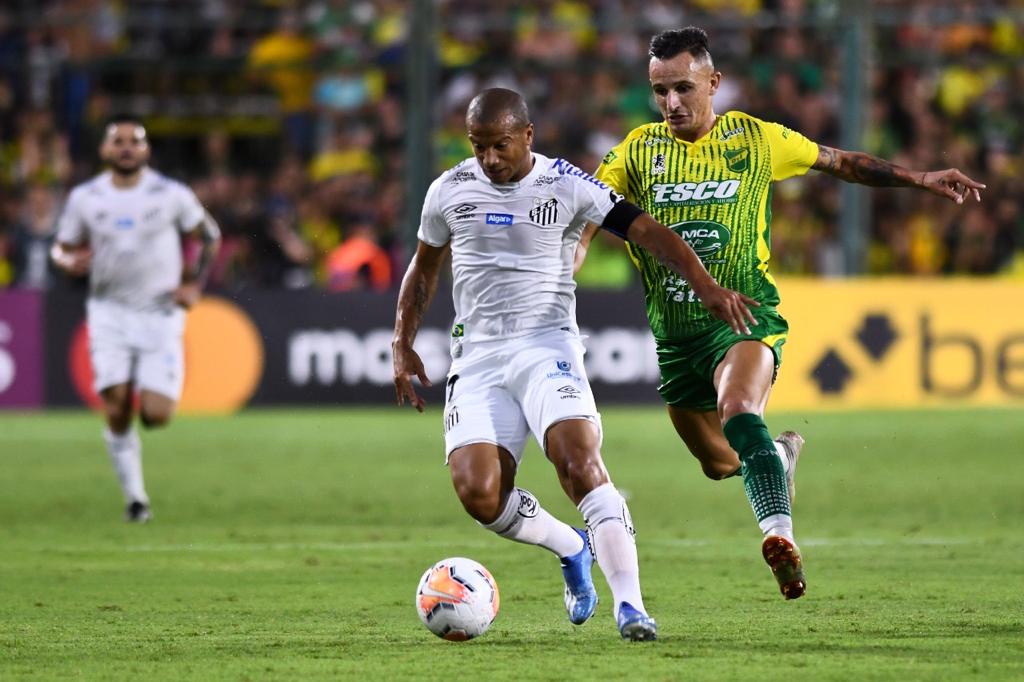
(866, 169)
(187, 294)
(418, 287)
(727, 305)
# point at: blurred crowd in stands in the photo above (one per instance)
(289, 118)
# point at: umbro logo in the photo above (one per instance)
(569, 392)
(464, 211)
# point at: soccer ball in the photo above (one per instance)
(457, 599)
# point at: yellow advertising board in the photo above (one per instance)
(883, 343)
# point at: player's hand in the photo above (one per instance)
(75, 261)
(407, 365)
(187, 295)
(730, 306)
(952, 184)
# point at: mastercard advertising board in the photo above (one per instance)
(852, 344)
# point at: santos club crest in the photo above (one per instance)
(544, 212)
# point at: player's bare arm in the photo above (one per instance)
(583, 246)
(188, 293)
(414, 297)
(866, 169)
(74, 259)
(731, 307)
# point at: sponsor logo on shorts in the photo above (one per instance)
(498, 219)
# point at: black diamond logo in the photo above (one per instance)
(568, 389)
(831, 373)
(464, 208)
(876, 335)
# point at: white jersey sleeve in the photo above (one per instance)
(592, 200)
(190, 211)
(71, 227)
(434, 229)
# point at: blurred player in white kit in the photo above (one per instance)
(125, 229)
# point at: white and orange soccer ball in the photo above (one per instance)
(457, 599)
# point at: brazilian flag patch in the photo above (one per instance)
(609, 157)
(458, 331)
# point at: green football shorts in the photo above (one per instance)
(688, 366)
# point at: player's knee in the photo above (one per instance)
(154, 419)
(730, 406)
(481, 498)
(585, 472)
(580, 469)
(118, 418)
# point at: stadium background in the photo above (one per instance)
(311, 129)
(287, 541)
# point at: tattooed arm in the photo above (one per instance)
(418, 287)
(866, 169)
(187, 294)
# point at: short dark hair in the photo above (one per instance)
(496, 105)
(692, 39)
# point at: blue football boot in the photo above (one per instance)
(635, 625)
(580, 595)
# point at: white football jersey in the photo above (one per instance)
(513, 244)
(134, 235)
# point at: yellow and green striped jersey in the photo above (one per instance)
(716, 194)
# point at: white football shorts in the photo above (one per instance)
(144, 347)
(502, 391)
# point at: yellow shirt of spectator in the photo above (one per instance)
(716, 194)
(284, 61)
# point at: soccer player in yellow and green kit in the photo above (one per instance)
(709, 178)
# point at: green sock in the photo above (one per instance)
(763, 476)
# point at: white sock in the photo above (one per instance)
(611, 536)
(781, 451)
(524, 520)
(778, 524)
(126, 454)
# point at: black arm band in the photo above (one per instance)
(620, 218)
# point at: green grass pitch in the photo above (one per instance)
(287, 545)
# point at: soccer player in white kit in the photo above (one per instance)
(511, 219)
(124, 228)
